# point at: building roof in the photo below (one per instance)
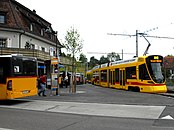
(19, 17)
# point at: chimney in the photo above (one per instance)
(34, 11)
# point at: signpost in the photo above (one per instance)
(54, 77)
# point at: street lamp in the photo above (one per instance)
(58, 71)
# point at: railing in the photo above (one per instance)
(40, 55)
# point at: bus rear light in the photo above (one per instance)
(9, 85)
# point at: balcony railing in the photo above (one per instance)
(40, 55)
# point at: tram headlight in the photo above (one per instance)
(9, 85)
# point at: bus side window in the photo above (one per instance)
(1, 73)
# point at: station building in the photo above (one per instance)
(23, 31)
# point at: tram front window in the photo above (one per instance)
(156, 73)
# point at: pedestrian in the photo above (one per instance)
(42, 83)
(60, 81)
(66, 81)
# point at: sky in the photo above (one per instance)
(94, 19)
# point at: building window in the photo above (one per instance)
(31, 27)
(2, 18)
(43, 49)
(42, 32)
(29, 46)
(3, 42)
(32, 46)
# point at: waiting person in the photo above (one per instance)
(42, 83)
(66, 81)
(60, 81)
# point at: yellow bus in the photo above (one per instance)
(142, 74)
(18, 76)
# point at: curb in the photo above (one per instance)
(169, 93)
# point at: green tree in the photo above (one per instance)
(103, 60)
(73, 44)
(83, 58)
(82, 64)
(113, 56)
(93, 62)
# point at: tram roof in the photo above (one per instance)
(96, 67)
(126, 61)
(123, 61)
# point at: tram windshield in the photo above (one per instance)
(157, 73)
(155, 69)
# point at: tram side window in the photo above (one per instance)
(143, 74)
(131, 72)
(117, 75)
(104, 76)
(110, 76)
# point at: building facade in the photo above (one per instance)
(169, 65)
(22, 31)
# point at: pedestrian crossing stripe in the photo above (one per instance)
(94, 109)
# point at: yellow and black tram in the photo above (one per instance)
(89, 76)
(104, 75)
(96, 75)
(142, 74)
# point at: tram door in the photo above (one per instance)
(122, 78)
(111, 78)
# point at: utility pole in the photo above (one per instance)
(141, 35)
(136, 43)
(122, 53)
(58, 71)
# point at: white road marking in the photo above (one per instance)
(5, 129)
(167, 117)
(111, 110)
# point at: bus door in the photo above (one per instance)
(122, 78)
(111, 78)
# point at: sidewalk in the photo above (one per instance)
(170, 89)
(51, 92)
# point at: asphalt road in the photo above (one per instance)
(92, 107)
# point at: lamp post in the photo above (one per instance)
(58, 71)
